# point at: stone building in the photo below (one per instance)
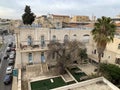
(80, 19)
(32, 44)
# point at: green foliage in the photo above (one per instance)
(83, 53)
(28, 17)
(111, 72)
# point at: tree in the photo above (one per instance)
(103, 33)
(65, 53)
(111, 72)
(28, 17)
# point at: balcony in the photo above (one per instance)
(24, 47)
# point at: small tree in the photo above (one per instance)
(83, 54)
(28, 17)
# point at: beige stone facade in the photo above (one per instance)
(60, 18)
(40, 35)
(80, 19)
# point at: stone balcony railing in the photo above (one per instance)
(33, 47)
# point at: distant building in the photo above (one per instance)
(52, 21)
(60, 18)
(80, 19)
(4, 25)
(116, 19)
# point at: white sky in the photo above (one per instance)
(15, 8)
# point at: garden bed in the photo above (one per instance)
(77, 73)
(48, 84)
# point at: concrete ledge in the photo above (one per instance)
(88, 82)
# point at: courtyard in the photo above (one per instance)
(74, 74)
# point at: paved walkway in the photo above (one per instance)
(88, 68)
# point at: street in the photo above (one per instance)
(4, 63)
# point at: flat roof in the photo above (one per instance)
(93, 84)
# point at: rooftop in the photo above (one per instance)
(94, 84)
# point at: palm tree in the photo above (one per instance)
(103, 33)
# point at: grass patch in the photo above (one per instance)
(76, 75)
(46, 84)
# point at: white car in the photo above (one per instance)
(12, 52)
(8, 49)
(11, 56)
(9, 69)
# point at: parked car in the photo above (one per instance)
(8, 49)
(11, 56)
(12, 49)
(10, 44)
(7, 79)
(13, 52)
(11, 62)
(5, 56)
(9, 70)
(14, 46)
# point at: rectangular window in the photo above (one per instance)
(29, 40)
(42, 41)
(95, 51)
(42, 57)
(102, 55)
(30, 58)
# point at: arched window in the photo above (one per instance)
(66, 38)
(54, 38)
(119, 46)
(29, 40)
(86, 38)
(30, 58)
(74, 37)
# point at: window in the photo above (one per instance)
(42, 57)
(118, 46)
(86, 38)
(102, 55)
(74, 37)
(42, 41)
(95, 51)
(66, 38)
(29, 40)
(117, 61)
(30, 58)
(54, 38)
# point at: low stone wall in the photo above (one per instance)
(19, 79)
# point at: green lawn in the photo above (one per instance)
(78, 75)
(46, 84)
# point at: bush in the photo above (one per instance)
(111, 72)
